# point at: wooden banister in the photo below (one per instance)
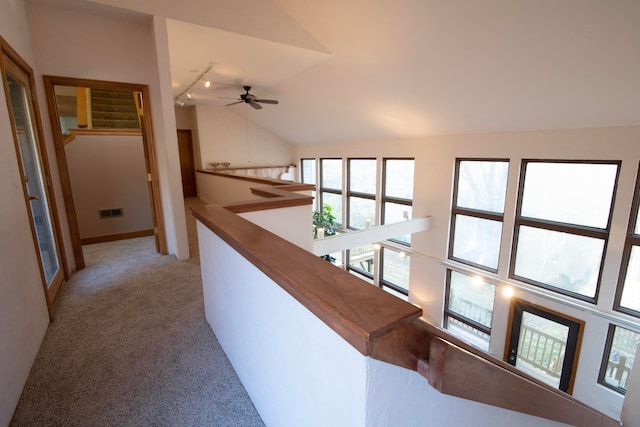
(382, 326)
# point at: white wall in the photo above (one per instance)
(227, 136)
(434, 168)
(74, 44)
(292, 223)
(108, 172)
(23, 311)
(298, 371)
(220, 189)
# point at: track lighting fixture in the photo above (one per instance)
(200, 76)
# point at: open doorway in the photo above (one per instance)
(118, 202)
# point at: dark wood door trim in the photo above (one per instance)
(150, 158)
(187, 163)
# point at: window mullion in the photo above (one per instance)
(581, 230)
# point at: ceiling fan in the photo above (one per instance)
(252, 99)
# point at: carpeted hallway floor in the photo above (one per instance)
(130, 347)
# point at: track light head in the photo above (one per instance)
(207, 83)
(179, 103)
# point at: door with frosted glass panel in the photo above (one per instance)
(18, 91)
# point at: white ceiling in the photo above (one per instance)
(347, 70)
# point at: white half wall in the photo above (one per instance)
(296, 370)
(292, 223)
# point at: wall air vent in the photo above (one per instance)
(110, 213)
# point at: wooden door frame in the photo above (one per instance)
(576, 354)
(6, 49)
(149, 150)
(193, 160)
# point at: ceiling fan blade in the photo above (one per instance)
(266, 101)
(234, 103)
(255, 105)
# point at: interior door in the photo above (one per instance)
(20, 100)
(544, 344)
(187, 164)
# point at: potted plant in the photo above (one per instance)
(324, 219)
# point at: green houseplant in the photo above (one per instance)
(324, 219)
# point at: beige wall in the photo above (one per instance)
(108, 172)
(23, 311)
(434, 168)
(116, 50)
(227, 136)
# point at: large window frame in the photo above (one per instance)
(561, 227)
(616, 368)
(386, 283)
(463, 320)
(385, 198)
(473, 213)
(330, 190)
(632, 240)
(351, 194)
(310, 179)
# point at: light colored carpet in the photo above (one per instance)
(130, 347)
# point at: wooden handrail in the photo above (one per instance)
(382, 326)
(257, 179)
(115, 132)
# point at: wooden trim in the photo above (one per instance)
(156, 206)
(119, 236)
(82, 103)
(580, 323)
(152, 169)
(50, 293)
(256, 179)
(63, 168)
(386, 328)
(351, 307)
(103, 131)
(112, 132)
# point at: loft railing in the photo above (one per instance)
(381, 326)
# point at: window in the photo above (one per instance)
(361, 259)
(562, 225)
(477, 213)
(331, 186)
(361, 193)
(468, 309)
(308, 173)
(395, 271)
(628, 295)
(397, 193)
(617, 361)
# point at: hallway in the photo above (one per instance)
(130, 346)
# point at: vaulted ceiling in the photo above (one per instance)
(346, 70)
